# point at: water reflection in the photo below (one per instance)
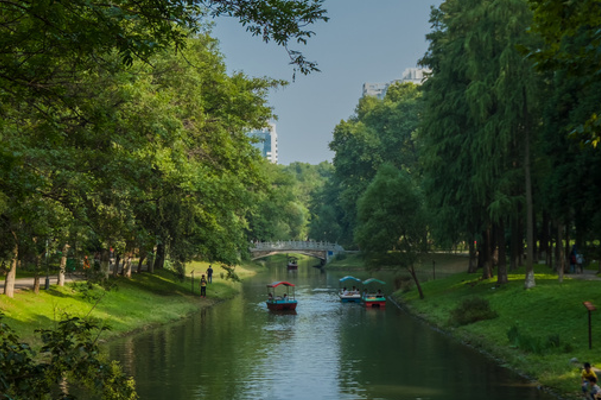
(327, 350)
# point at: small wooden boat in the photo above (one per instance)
(352, 295)
(292, 263)
(371, 298)
(284, 302)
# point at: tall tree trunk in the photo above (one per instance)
(520, 241)
(502, 263)
(159, 261)
(63, 266)
(560, 259)
(547, 239)
(529, 281)
(544, 238)
(414, 276)
(9, 283)
(116, 266)
(535, 233)
(513, 245)
(141, 260)
(36, 276)
(104, 262)
(473, 259)
(485, 249)
(127, 265)
(150, 263)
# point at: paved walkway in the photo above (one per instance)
(27, 283)
(587, 275)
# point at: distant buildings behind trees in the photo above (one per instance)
(268, 142)
(414, 75)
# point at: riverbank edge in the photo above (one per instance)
(193, 304)
(465, 341)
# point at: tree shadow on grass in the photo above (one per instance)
(158, 284)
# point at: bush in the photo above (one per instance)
(471, 310)
(536, 345)
(340, 256)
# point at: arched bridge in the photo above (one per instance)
(322, 250)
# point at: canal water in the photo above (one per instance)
(239, 350)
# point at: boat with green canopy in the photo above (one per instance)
(370, 297)
(352, 295)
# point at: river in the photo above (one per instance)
(239, 350)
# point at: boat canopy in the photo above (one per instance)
(276, 284)
(349, 278)
(373, 280)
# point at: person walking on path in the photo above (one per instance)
(587, 373)
(203, 286)
(210, 274)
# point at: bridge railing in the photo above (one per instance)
(295, 245)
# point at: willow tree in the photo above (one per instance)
(498, 100)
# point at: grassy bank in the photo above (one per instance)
(536, 331)
(142, 302)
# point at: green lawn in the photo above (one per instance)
(144, 301)
(551, 312)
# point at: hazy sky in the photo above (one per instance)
(364, 41)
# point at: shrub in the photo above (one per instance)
(340, 256)
(536, 345)
(472, 310)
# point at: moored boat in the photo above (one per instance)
(372, 298)
(346, 295)
(284, 302)
(292, 263)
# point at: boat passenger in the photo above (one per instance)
(345, 292)
(285, 298)
(379, 294)
(270, 296)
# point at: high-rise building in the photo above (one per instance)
(414, 75)
(268, 142)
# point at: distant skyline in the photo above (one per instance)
(364, 41)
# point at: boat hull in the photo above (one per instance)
(281, 306)
(378, 302)
(350, 299)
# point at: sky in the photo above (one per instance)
(364, 41)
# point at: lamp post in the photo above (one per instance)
(590, 307)
(47, 283)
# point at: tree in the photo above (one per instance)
(392, 229)
(495, 92)
(381, 131)
(70, 357)
(571, 37)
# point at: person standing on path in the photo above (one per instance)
(210, 274)
(203, 286)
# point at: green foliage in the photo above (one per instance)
(382, 131)
(231, 273)
(70, 356)
(471, 310)
(571, 36)
(536, 344)
(392, 224)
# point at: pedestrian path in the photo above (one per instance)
(27, 283)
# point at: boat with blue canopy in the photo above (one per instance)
(352, 295)
(276, 301)
(373, 298)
